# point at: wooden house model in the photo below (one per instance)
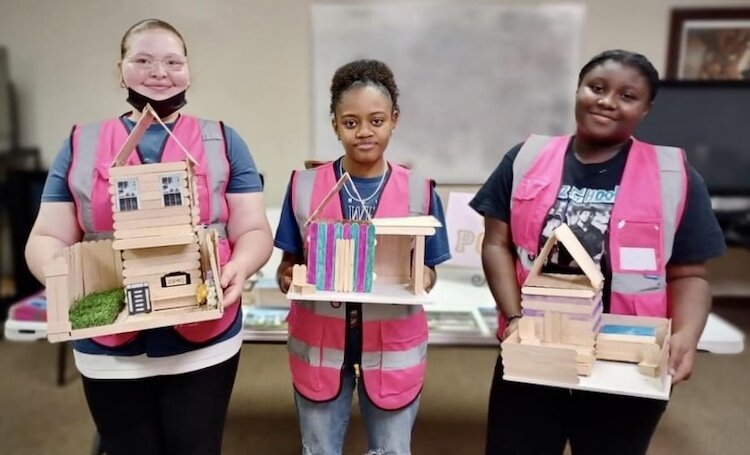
(161, 256)
(564, 334)
(380, 260)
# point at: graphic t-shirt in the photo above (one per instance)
(584, 202)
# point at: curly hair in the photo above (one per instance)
(626, 58)
(360, 73)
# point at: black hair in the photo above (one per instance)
(626, 58)
(149, 24)
(362, 73)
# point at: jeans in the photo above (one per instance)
(323, 425)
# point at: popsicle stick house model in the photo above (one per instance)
(161, 255)
(564, 331)
(379, 260)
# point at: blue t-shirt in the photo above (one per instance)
(243, 178)
(288, 238)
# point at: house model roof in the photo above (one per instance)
(408, 225)
(148, 116)
(588, 284)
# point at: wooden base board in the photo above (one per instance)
(611, 377)
(398, 294)
(130, 323)
(551, 365)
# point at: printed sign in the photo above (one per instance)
(465, 229)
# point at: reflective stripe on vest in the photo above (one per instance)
(81, 176)
(216, 166)
(334, 358)
(670, 183)
(317, 329)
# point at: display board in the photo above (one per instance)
(474, 79)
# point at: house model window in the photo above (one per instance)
(127, 195)
(171, 191)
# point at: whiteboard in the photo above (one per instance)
(474, 80)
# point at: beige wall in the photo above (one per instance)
(250, 62)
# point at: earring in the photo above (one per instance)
(338, 137)
(122, 83)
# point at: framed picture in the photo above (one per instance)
(709, 44)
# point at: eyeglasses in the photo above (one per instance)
(147, 62)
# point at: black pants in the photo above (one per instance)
(532, 419)
(180, 414)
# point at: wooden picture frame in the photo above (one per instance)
(709, 44)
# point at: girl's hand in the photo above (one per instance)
(232, 281)
(429, 279)
(681, 356)
(510, 328)
(284, 270)
(284, 279)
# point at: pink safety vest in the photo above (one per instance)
(646, 213)
(394, 337)
(94, 147)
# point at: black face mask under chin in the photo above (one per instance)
(163, 108)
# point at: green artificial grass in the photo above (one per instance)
(99, 308)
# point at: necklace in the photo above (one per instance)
(358, 198)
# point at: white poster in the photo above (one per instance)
(465, 229)
(474, 79)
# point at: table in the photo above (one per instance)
(463, 314)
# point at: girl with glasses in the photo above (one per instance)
(159, 391)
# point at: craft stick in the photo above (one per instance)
(320, 271)
(312, 253)
(333, 191)
(330, 251)
(355, 255)
(134, 137)
(347, 270)
(362, 258)
(370, 257)
(352, 254)
(339, 230)
(336, 261)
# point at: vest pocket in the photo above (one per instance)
(652, 304)
(403, 354)
(636, 246)
(527, 212)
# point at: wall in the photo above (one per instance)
(250, 62)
